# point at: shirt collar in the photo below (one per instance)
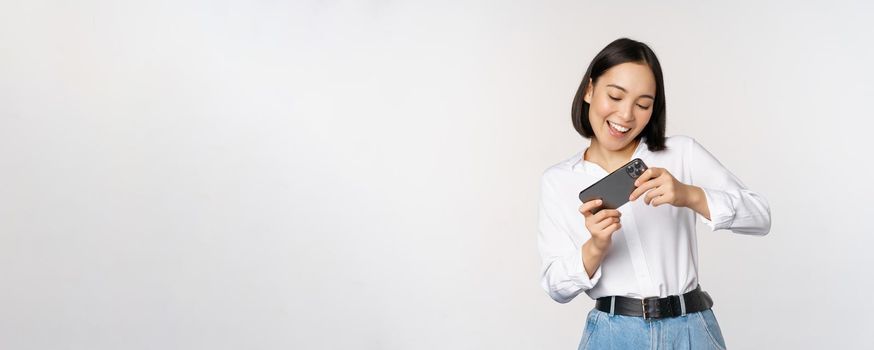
(577, 161)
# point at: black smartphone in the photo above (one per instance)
(615, 188)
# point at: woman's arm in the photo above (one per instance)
(563, 274)
(720, 199)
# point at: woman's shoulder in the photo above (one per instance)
(679, 141)
(680, 145)
(561, 168)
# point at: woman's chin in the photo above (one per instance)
(614, 145)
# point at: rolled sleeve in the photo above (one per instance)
(577, 271)
(562, 274)
(721, 210)
(731, 204)
(565, 277)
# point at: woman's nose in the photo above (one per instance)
(625, 112)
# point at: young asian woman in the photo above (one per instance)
(639, 261)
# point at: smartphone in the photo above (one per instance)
(615, 188)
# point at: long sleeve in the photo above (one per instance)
(732, 205)
(562, 275)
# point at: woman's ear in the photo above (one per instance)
(588, 95)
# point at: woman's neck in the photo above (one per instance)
(607, 159)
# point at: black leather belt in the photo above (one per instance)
(653, 307)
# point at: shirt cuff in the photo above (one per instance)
(577, 271)
(721, 209)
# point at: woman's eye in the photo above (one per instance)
(614, 98)
(644, 107)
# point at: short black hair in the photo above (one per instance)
(620, 51)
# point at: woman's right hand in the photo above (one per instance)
(600, 225)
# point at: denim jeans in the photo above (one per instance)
(698, 330)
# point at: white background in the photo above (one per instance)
(365, 174)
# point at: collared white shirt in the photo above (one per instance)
(655, 252)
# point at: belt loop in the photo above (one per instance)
(612, 304)
(682, 305)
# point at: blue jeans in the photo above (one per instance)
(698, 330)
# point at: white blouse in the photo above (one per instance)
(655, 252)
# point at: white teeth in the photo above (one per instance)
(617, 127)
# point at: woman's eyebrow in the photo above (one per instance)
(623, 89)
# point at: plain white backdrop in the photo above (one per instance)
(365, 174)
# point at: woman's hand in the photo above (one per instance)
(600, 225)
(665, 189)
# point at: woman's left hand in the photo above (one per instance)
(665, 188)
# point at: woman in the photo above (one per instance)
(640, 261)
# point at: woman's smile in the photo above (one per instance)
(617, 130)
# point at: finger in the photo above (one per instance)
(592, 206)
(606, 214)
(646, 186)
(603, 214)
(613, 213)
(601, 226)
(649, 173)
(653, 194)
(645, 181)
(656, 201)
(664, 172)
(613, 228)
(584, 207)
(653, 200)
(663, 199)
(606, 223)
(587, 207)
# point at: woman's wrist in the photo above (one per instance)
(693, 196)
(697, 200)
(592, 257)
(593, 249)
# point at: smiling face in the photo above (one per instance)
(621, 104)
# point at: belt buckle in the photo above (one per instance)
(643, 307)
